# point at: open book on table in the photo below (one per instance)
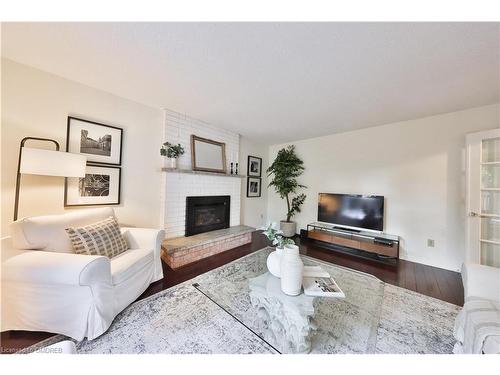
(317, 282)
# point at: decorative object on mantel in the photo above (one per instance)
(235, 170)
(208, 155)
(43, 162)
(254, 166)
(276, 237)
(285, 169)
(100, 186)
(254, 187)
(172, 152)
(100, 143)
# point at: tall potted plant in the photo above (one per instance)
(285, 170)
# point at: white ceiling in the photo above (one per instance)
(274, 82)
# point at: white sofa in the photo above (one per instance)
(482, 296)
(46, 287)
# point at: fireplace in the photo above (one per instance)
(204, 214)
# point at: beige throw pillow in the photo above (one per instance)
(101, 238)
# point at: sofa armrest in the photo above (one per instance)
(44, 267)
(481, 281)
(151, 239)
(143, 238)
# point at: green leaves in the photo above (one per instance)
(285, 169)
(296, 203)
(276, 237)
(171, 151)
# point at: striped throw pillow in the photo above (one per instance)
(101, 238)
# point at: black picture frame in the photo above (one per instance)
(93, 165)
(89, 155)
(259, 187)
(251, 159)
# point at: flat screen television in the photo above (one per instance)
(358, 211)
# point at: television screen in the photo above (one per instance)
(360, 211)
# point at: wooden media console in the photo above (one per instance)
(382, 245)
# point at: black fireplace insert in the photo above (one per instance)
(204, 214)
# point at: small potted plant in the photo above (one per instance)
(284, 171)
(277, 239)
(172, 152)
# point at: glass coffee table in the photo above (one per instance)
(300, 324)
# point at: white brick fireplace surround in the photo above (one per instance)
(177, 186)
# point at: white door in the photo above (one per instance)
(483, 198)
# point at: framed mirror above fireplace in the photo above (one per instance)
(205, 214)
(208, 155)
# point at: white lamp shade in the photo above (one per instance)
(52, 163)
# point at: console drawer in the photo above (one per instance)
(342, 241)
(320, 235)
(391, 251)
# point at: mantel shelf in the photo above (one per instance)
(190, 171)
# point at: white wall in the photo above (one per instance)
(253, 210)
(35, 103)
(417, 165)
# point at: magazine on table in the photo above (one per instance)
(321, 284)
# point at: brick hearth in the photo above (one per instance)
(178, 252)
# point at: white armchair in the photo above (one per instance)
(46, 287)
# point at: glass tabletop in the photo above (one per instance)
(298, 324)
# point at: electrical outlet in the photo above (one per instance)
(430, 242)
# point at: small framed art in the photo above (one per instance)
(254, 166)
(100, 186)
(100, 143)
(254, 187)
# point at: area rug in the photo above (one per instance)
(205, 315)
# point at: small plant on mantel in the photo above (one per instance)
(172, 152)
(285, 170)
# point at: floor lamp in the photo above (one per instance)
(43, 162)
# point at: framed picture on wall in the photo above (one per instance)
(254, 166)
(100, 143)
(100, 186)
(254, 187)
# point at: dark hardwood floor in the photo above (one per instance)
(435, 282)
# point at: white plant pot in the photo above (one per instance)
(172, 163)
(274, 262)
(291, 270)
(288, 228)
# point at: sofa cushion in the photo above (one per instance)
(100, 238)
(48, 233)
(130, 262)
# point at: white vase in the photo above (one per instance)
(291, 270)
(172, 163)
(274, 262)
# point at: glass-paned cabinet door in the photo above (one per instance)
(490, 202)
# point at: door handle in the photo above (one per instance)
(475, 214)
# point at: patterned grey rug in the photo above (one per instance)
(379, 318)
